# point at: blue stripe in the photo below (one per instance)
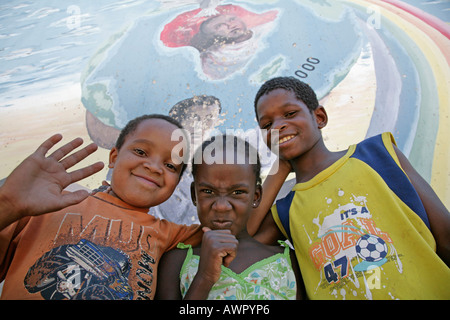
(373, 152)
(283, 206)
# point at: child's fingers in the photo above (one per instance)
(76, 157)
(73, 198)
(206, 229)
(217, 237)
(66, 149)
(229, 249)
(48, 144)
(229, 257)
(217, 231)
(86, 171)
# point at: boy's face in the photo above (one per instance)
(145, 174)
(298, 128)
(225, 195)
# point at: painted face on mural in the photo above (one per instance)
(198, 115)
(230, 28)
(207, 117)
(226, 42)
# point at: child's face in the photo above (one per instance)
(225, 195)
(145, 174)
(298, 128)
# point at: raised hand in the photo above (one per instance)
(36, 185)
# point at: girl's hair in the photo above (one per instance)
(301, 90)
(132, 125)
(221, 142)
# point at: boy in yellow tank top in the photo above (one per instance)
(363, 222)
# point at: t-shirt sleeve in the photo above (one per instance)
(182, 233)
(281, 211)
(276, 218)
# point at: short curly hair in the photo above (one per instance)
(221, 141)
(301, 90)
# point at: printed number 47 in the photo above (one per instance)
(330, 272)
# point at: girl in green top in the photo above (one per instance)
(229, 264)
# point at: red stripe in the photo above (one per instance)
(429, 19)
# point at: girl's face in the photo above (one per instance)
(225, 195)
(145, 174)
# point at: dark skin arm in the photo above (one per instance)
(169, 268)
(257, 226)
(268, 232)
(438, 214)
(301, 292)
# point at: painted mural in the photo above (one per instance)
(86, 69)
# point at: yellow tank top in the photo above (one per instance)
(360, 230)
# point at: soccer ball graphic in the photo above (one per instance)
(371, 248)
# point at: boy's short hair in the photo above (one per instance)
(132, 125)
(301, 90)
(250, 153)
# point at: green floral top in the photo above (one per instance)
(269, 279)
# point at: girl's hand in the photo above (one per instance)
(218, 248)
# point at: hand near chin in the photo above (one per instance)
(219, 248)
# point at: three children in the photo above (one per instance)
(363, 223)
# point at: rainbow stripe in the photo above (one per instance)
(426, 39)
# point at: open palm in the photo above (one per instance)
(36, 185)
